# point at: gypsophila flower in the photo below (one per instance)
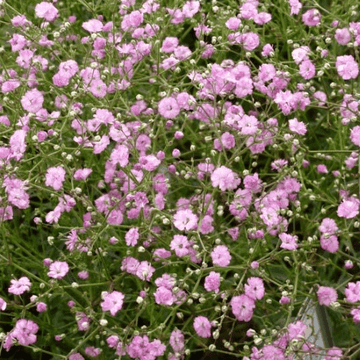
(185, 220)
(221, 256)
(55, 177)
(242, 307)
(113, 302)
(58, 269)
(212, 282)
(326, 295)
(202, 326)
(18, 287)
(346, 67)
(169, 108)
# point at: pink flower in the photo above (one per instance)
(242, 307)
(32, 101)
(24, 331)
(328, 226)
(2, 304)
(164, 296)
(255, 288)
(177, 341)
(288, 241)
(132, 236)
(98, 88)
(180, 245)
(250, 41)
(342, 36)
(225, 179)
(334, 354)
(92, 351)
(212, 282)
(233, 23)
(185, 220)
(300, 54)
(355, 135)
(93, 25)
(356, 315)
(329, 243)
(55, 177)
(82, 174)
(169, 44)
(307, 70)
(145, 271)
(352, 292)
(191, 8)
(326, 295)
(113, 302)
(311, 17)
(47, 11)
(18, 287)
(284, 300)
(41, 307)
(349, 208)
(221, 256)
(267, 50)
(202, 326)
(347, 67)
(295, 6)
(169, 108)
(58, 269)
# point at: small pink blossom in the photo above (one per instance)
(32, 101)
(55, 176)
(311, 17)
(355, 135)
(242, 307)
(347, 67)
(326, 295)
(58, 269)
(288, 241)
(18, 287)
(113, 302)
(47, 11)
(202, 326)
(212, 282)
(221, 256)
(169, 108)
(349, 208)
(185, 220)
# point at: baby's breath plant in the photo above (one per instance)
(178, 178)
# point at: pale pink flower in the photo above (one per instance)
(349, 208)
(212, 282)
(221, 256)
(311, 17)
(355, 135)
(18, 287)
(326, 295)
(32, 101)
(55, 177)
(93, 25)
(225, 179)
(202, 326)
(113, 302)
(242, 307)
(169, 108)
(47, 11)
(347, 67)
(255, 288)
(352, 292)
(185, 220)
(58, 269)
(297, 127)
